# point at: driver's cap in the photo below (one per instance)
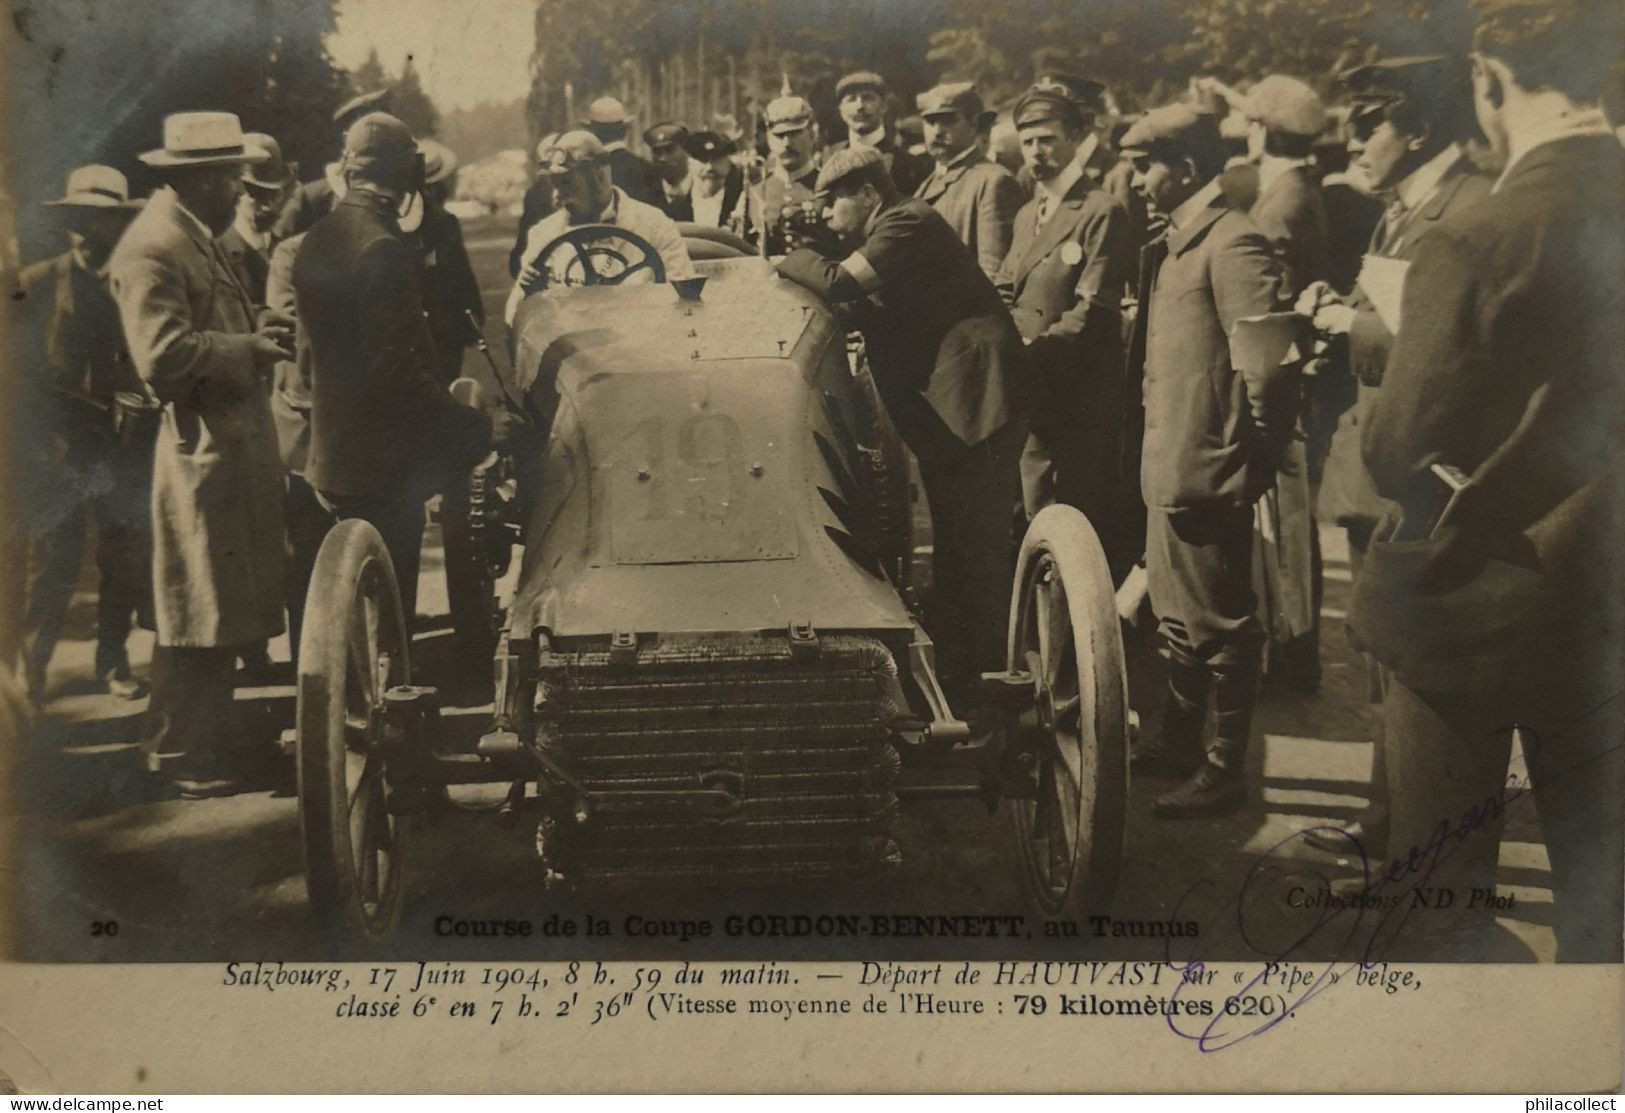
(571, 150)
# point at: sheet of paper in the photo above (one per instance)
(1263, 342)
(1383, 281)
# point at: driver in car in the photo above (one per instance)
(578, 167)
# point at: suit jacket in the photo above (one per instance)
(1064, 282)
(217, 482)
(1205, 426)
(309, 202)
(946, 357)
(636, 176)
(380, 418)
(1290, 213)
(450, 290)
(908, 170)
(538, 203)
(250, 264)
(1346, 493)
(979, 200)
(680, 208)
(1508, 367)
(290, 392)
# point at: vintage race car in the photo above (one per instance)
(712, 666)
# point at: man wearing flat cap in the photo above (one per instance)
(1213, 435)
(384, 432)
(1409, 118)
(719, 181)
(249, 241)
(309, 202)
(1284, 116)
(91, 448)
(979, 199)
(1070, 261)
(1502, 400)
(860, 98)
(217, 479)
(790, 183)
(950, 368)
(668, 151)
(580, 173)
(608, 121)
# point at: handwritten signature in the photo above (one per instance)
(1390, 896)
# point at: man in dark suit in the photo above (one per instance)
(668, 152)
(1409, 116)
(977, 198)
(719, 181)
(607, 119)
(249, 241)
(1505, 613)
(539, 202)
(1068, 265)
(384, 431)
(950, 368)
(1213, 433)
(860, 98)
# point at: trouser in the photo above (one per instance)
(1199, 573)
(1359, 531)
(1448, 781)
(307, 523)
(1077, 467)
(970, 493)
(113, 486)
(190, 714)
(398, 518)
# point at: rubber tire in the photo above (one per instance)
(1064, 535)
(352, 552)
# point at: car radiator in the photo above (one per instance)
(750, 758)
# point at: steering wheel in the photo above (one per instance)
(596, 262)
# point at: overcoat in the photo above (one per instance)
(1507, 367)
(217, 480)
(979, 200)
(1292, 216)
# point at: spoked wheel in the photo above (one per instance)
(354, 648)
(1064, 632)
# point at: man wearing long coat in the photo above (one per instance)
(217, 478)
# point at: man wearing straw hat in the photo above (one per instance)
(217, 478)
(98, 457)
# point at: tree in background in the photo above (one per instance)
(411, 104)
(369, 75)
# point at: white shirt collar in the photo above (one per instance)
(1417, 186)
(1194, 205)
(872, 138)
(970, 155)
(1271, 167)
(1059, 186)
(1560, 125)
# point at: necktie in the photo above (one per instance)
(1392, 218)
(1043, 207)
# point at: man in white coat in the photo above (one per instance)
(217, 478)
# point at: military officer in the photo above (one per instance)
(860, 98)
(607, 120)
(668, 150)
(101, 450)
(976, 197)
(217, 479)
(790, 183)
(1071, 259)
(719, 181)
(1212, 438)
(384, 431)
(1498, 609)
(1409, 118)
(249, 241)
(951, 371)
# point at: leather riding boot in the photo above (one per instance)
(1177, 748)
(1219, 786)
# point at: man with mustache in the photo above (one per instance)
(977, 198)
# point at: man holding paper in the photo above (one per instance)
(1408, 117)
(1213, 434)
(1496, 599)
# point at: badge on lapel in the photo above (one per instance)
(1071, 253)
